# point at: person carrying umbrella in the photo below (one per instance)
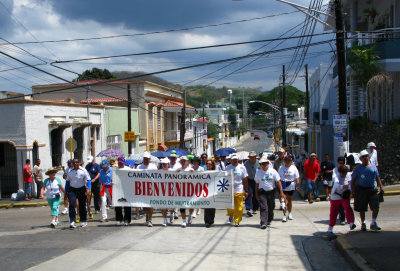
(106, 187)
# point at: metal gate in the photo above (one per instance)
(8, 169)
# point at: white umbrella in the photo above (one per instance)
(243, 155)
(138, 158)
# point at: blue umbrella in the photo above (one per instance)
(224, 151)
(160, 154)
(178, 152)
(110, 152)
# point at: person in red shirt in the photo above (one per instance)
(310, 176)
(28, 180)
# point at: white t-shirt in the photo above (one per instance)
(288, 175)
(176, 166)
(267, 179)
(239, 173)
(78, 178)
(149, 167)
(192, 169)
(52, 187)
(337, 187)
(373, 157)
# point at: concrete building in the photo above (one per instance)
(34, 129)
(158, 107)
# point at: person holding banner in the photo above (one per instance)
(267, 178)
(146, 165)
(106, 188)
(165, 166)
(196, 167)
(185, 167)
(209, 213)
(118, 209)
(240, 189)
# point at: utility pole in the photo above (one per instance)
(307, 101)
(283, 108)
(183, 119)
(129, 119)
(341, 61)
(204, 128)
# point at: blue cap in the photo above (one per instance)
(104, 162)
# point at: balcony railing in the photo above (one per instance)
(375, 36)
(174, 135)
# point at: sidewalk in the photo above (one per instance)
(8, 203)
(371, 250)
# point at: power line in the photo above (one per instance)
(185, 49)
(158, 32)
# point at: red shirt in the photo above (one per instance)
(27, 177)
(311, 170)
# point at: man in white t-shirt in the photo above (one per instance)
(146, 165)
(267, 179)
(174, 165)
(373, 154)
(240, 189)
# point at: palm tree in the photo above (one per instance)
(364, 63)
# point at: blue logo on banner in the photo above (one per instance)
(223, 185)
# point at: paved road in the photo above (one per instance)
(257, 145)
(27, 242)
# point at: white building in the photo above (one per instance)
(34, 129)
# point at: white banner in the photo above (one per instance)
(171, 189)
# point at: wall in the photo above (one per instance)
(116, 124)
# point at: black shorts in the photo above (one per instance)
(365, 196)
(289, 193)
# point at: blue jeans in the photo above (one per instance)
(251, 201)
(311, 186)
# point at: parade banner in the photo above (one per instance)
(171, 189)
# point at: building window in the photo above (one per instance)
(97, 132)
(325, 115)
(159, 119)
(114, 142)
(150, 118)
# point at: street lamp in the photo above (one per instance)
(230, 96)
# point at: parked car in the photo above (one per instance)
(269, 134)
(252, 133)
(256, 137)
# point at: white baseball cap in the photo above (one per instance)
(264, 159)
(89, 159)
(164, 161)
(235, 156)
(363, 152)
(146, 154)
(184, 157)
(371, 144)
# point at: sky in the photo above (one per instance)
(147, 27)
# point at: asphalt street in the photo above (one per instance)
(27, 241)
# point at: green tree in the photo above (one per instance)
(93, 74)
(212, 130)
(364, 63)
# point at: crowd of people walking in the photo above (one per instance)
(256, 183)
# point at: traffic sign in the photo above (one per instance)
(129, 136)
(68, 146)
(340, 121)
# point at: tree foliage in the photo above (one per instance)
(93, 74)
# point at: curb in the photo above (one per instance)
(350, 254)
(392, 193)
(21, 205)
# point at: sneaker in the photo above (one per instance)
(97, 212)
(126, 223)
(77, 220)
(254, 212)
(118, 223)
(352, 227)
(231, 219)
(171, 218)
(328, 198)
(72, 225)
(249, 214)
(198, 211)
(284, 219)
(236, 224)
(311, 202)
(190, 219)
(165, 222)
(363, 227)
(149, 223)
(290, 217)
(263, 226)
(53, 224)
(305, 200)
(183, 224)
(374, 227)
(91, 215)
(65, 211)
(317, 199)
(208, 225)
(84, 224)
(342, 222)
(193, 215)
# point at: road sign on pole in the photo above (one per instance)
(129, 136)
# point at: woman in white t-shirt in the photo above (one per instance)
(289, 178)
(53, 188)
(185, 167)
